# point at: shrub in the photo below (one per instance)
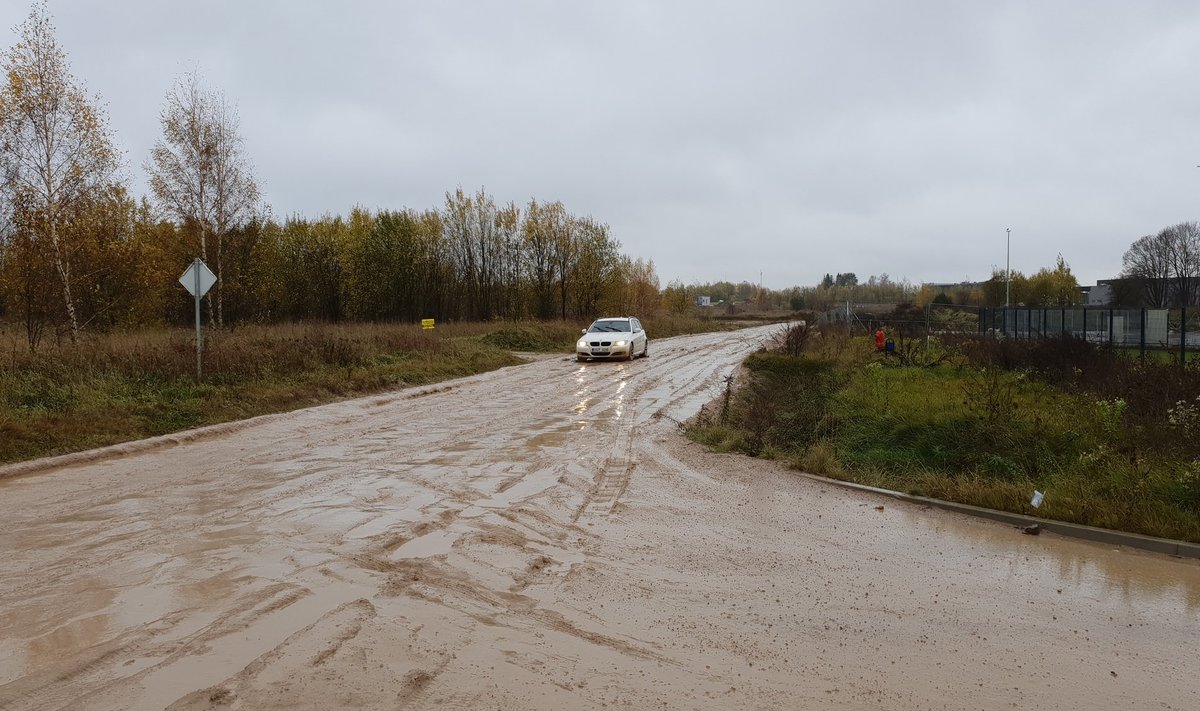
(784, 404)
(520, 339)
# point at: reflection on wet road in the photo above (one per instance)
(542, 537)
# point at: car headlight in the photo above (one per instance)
(582, 343)
(618, 344)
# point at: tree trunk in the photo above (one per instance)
(220, 279)
(64, 274)
(204, 256)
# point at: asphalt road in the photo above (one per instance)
(542, 537)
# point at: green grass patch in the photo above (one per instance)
(982, 435)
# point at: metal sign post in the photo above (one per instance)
(198, 279)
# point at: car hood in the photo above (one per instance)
(609, 336)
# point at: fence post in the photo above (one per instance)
(1143, 337)
(1110, 329)
(927, 327)
(1183, 336)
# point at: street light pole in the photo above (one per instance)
(1007, 263)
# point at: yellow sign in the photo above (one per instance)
(427, 324)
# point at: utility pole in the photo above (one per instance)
(1007, 263)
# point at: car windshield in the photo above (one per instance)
(609, 327)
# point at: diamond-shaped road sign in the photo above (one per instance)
(205, 282)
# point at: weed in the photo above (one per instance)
(795, 338)
(726, 399)
(521, 339)
(990, 397)
(821, 458)
(1111, 440)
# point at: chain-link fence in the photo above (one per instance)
(1175, 331)
(1143, 329)
(904, 319)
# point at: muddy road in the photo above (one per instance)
(542, 537)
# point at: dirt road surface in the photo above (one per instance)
(543, 538)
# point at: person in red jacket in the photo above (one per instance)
(879, 343)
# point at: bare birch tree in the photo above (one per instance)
(55, 151)
(199, 172)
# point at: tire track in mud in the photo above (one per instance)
(710, 382)
(344, 623)
(437, 583)
(385, 498)
(465, 593)
(616, 471)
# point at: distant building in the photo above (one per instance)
(955, 292)
(704, 301)
(1101, 294)
(1128, 292)
(948, 287)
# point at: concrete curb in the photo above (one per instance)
(1180, 549)
(113, 451)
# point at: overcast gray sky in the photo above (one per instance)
(720, 140)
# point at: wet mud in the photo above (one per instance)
(542, 537)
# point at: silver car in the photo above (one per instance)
(621, 338)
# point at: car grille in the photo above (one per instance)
(601, 343)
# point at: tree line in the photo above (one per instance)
(78, 251)
(1161, 270)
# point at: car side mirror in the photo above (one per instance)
(583, 331)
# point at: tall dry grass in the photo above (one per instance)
(114, 387)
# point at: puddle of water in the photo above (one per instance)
(227, 655)
(1142, 584)
(555, 438)
(219, 538)
(431, 544)
(532, 484)
(65, 641)
(91, 611)
(127, 508)
(204, 591)
(338, 519)
(153, 599)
